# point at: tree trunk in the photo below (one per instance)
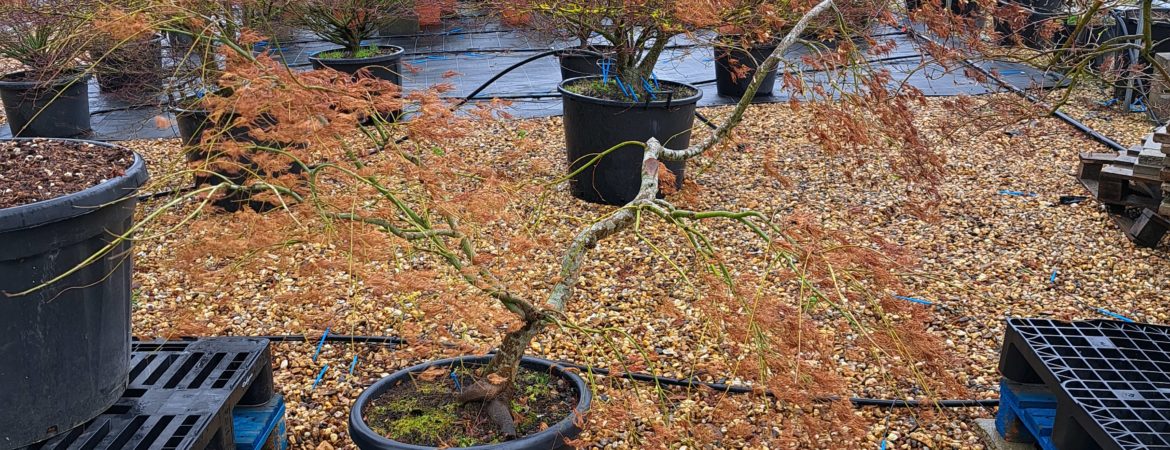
(496, 386)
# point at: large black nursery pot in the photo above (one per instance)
(593, 125)
(65, 348)
(551, 438)
(193, 122)
(730, 59)
(197, 129)
(1039, 13)
(57, 108)
(385, 66)
(582, 61)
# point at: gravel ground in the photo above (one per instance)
(989, 256)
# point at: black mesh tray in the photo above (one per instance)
(180, 396)
(1111, 379)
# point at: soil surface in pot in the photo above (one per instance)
(364, 52)
(425, 412)
(42, 169)
(609, 90)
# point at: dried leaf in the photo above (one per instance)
(432, 374)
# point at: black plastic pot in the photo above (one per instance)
(135, 65)
(594, 125)
(956, 7)
(582, 62)
(384, 66)
(65, 348)
(727, 84)
(1042, 11)
(193, 123)
(552, 437)
(56, 108)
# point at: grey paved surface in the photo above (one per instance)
(478, 50)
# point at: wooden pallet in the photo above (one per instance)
(1131, 193)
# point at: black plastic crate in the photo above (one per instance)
(180, 397)
(1111, 379)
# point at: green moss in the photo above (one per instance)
(595, 87)
(537, 384)
(432, 388)
(434, 425)
(364, 52)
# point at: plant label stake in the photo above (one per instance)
(321, 344)
(649, 90)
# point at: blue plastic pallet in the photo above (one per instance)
(260, 427)
(1026, 414)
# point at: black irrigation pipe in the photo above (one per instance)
(648, 378)
(1057, 113)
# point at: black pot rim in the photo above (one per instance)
(585, 51)
(77, 75)
(174, 107)
(78, 203)
(357, 423)
(627, 104)
(371, 60)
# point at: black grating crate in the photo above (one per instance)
(180, 397)
(1111, 379)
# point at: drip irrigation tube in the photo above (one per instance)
(661, 380)
(1003, 83)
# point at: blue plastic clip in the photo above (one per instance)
(353, 364)
(1108, 103)
(319, 376)
(321, 344)
(629, 91)
(649, 89)
(1017, 193)
(455, 379)
(1052, 279)
(1114, 315)
(914, 300)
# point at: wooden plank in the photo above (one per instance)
(1148, 229)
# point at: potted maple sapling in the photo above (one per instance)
(440, 203)
(128, 63)
(349, 24)
(49, 97)
(219, 146)
(628, 102)
(747, 33)
(422, 406)
(748, 30)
